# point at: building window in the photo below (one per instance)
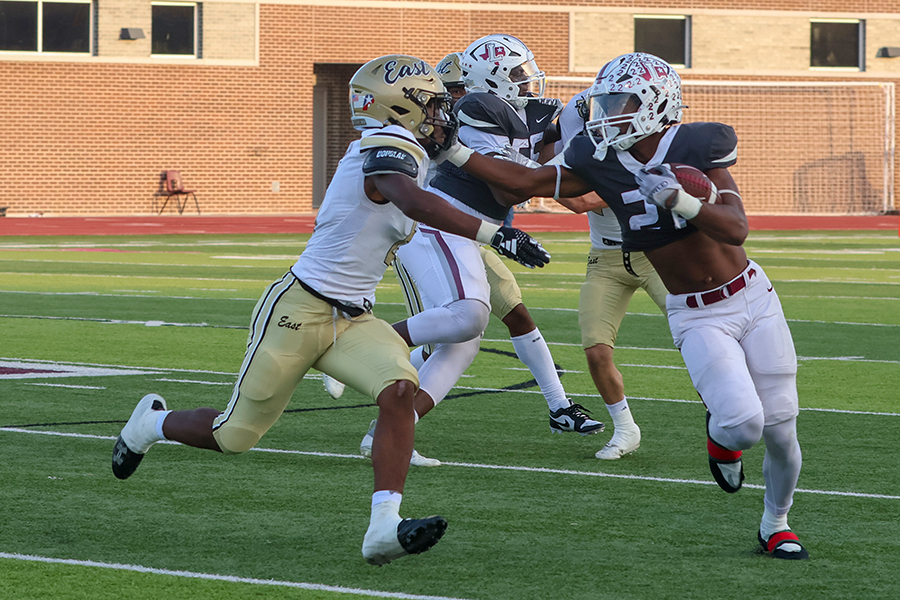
(665, 36)
(39, 26)
(175, 29)
(837, 43)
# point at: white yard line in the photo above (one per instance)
(227, 578)
(482, 466)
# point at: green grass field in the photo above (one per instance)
(532, 515)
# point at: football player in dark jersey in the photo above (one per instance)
(723, 312)
(502, 112)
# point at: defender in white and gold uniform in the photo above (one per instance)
(612, 278)
(319, 314)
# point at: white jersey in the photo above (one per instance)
(606, 234)
(355, 238)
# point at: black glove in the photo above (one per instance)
(516, 244)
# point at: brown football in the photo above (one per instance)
(695, 182)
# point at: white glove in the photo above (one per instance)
(507, 153)
(556, 103)
(660, 186)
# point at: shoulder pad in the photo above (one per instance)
(490, 114)
(393, 136)
(579, 151)
(386, 161)
(714, 145)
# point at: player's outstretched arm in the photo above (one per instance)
(432, 210)
(521, 181)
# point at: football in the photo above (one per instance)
(695, 182)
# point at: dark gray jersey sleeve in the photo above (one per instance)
(490, 114)
(386, 161)
(712, 145)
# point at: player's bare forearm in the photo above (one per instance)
(506, 199)
(522, 181)
(724, 221)
(584, 203)
(425, 207)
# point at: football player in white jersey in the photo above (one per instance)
(504, 112)
(319, 314)
(723, 312)
(612, 278)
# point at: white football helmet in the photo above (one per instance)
(403, 90)
(449, 71)
(633, 97)
(502, 65)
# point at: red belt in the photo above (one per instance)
(726, 291)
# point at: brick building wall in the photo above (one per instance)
(92, 134)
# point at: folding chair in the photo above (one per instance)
(175, 187)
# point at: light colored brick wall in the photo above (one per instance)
(748, 43)
(598, 37)
(112, 16)
(229, 30)
(882, 32)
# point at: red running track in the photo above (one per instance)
(223, 224)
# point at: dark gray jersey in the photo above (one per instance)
(645, 226)
(483, 115)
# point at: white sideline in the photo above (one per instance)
(229, 578)
(485, 466)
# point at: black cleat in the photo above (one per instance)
(726, 465)
(419, 535)
(124, 461)
(574, 418)
(140, 433)
(776, 542)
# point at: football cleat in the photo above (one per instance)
(334, 387)
(389, 537)
(416, 460)
(137, 436)
(624, 441)
(726, 465)
(573, 418)
(783, 544)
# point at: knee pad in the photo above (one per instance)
(469, 316)
(739, 437)
(234, 439)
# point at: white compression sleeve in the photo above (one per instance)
(457, 322)
(532, 350)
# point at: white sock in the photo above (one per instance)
(620, 414)
(772, 523)
(385, 496)
(159, 424)
(532, 350)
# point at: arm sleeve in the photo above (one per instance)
(570, 123)
(482, 140)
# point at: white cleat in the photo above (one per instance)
(416, 460)
(389, 537)
(624, 441)
(137, 436)
(334, 387)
